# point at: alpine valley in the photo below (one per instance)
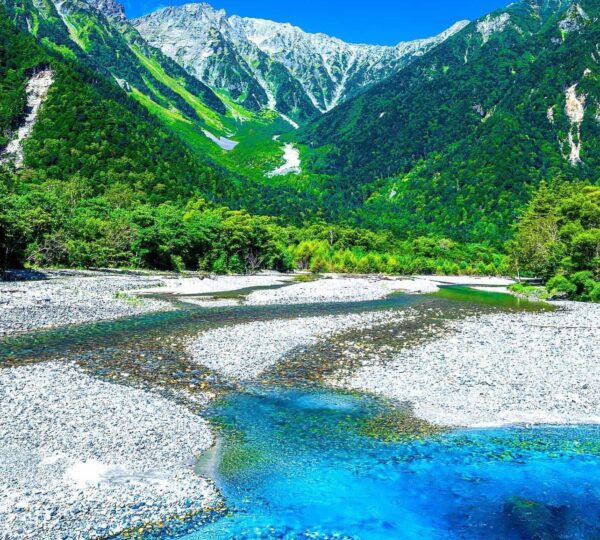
(257, 283)
(170, 130)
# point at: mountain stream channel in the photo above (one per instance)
(297, 459)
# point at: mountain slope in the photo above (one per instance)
(261, 63)
(112, 50)
(98, 33)
(454, 143)
(87, 128)
(212, 123)
(104, 183)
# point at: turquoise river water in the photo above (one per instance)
(296, 464)
(303, 463)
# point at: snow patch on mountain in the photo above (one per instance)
(36, 90)
(291, 165)
(223, 142)
(295, 125)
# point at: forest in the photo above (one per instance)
(558, 240)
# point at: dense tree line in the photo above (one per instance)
(62, 223)
(558, 240)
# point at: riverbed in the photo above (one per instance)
(305, 424)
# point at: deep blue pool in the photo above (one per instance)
(315, 464)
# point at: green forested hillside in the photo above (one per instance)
(109, 45)
(105, 184)
(427, 172)
(97, 168)
(89, 129)
(105, 40)
(456, 143)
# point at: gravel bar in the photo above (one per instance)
(499, 369)
(244, 351)
(65, 298)
(82, 458)
(340, 289)
(218, 284)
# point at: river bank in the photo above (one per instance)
(81, 458)
(78, 453)
(38, 300)
(498, 369)
(55, 298)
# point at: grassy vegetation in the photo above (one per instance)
(209, 116)
(530, 291)
(131, 300)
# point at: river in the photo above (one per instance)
(296, 459)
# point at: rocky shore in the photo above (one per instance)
(49, 299)
(497, 369)
(81, 458)
(206, 285)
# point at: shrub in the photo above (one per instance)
(584, 281)
(177, 263)
(220, 265)
(560, 284)
(594, 294)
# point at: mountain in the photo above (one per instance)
(65, 123)
(97, 33)
(264, 64)
(227, 114)
(216, 122)
(447, 137)
(89, 177)
(455, 143)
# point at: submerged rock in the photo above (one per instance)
(533, 520)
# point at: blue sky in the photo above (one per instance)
(383, 22)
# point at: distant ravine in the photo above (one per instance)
(37, 91)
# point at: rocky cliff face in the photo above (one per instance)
(109, 8)
(264, 64)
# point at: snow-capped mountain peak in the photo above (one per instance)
(263, 63)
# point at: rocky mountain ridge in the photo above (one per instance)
(265, 64)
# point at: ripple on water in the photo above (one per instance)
(325, 401)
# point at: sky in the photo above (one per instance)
(381, 22)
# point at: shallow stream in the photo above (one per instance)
(316, 464)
